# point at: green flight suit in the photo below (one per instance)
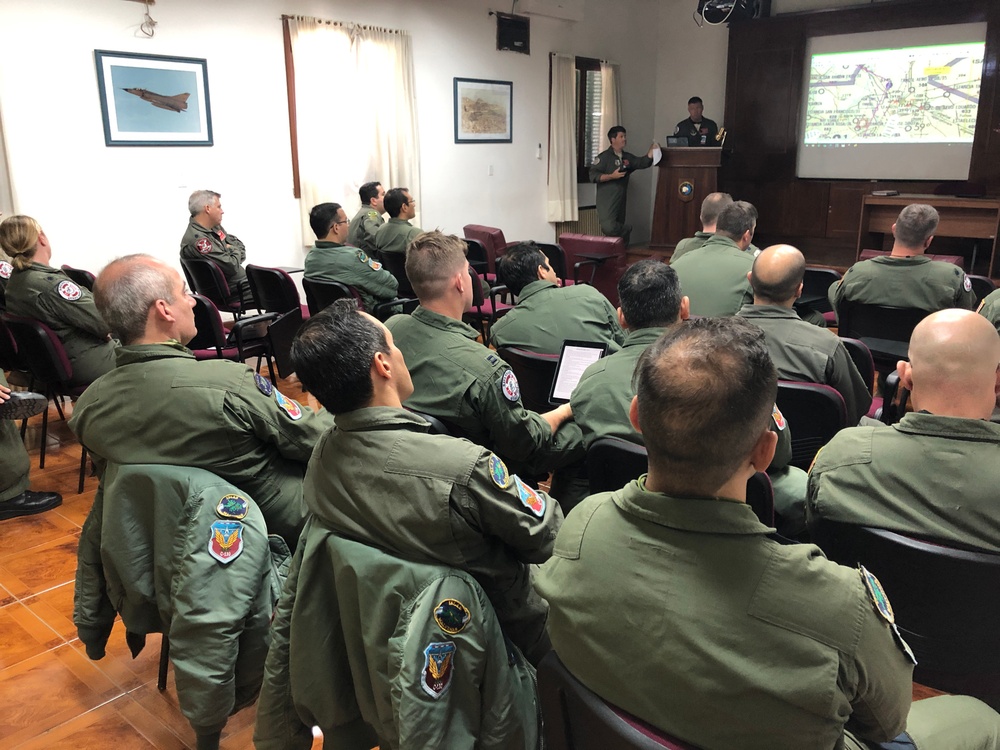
(914, 281)
(989, 308)
(714, 277)
(927, 475)
(687, 614)
(47, 294)
(225, 249)
(378, 650)
(460, 381)
(690, 243)
(546, 315)
(332, 261)
(612, 195)
(14, 462)
(395, 235)
(157, 548)
(361, 230)
(801, 351)
(162, 406)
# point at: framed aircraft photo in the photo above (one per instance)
(153, 100)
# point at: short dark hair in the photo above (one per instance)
(322, 218)
(735, 219)
(706, 392)
(332, 355)
(615, 131)
(368, 191)
(915, 224)
(518, 267)
(695, 100)
(649, 293)
(712, 206)
(780, 287)
(394, 201)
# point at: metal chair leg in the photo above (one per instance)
(83, 469)
(161, 677)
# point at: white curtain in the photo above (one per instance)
(355, 112)
(563, 203)
(611, 103)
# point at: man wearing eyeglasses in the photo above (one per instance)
(395, 234)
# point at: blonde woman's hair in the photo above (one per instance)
(19, 239)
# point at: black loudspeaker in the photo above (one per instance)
(513, 33)
(723, 11)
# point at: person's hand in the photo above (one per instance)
(652, 149)
(4, 393)
(558, 416)
(616, 175)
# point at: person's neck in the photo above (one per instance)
(332, 238)
(901, 251)
(155, 337)
(203, 221)
(951, 406)
(787, 304)
(734, 489)
(708, 229)
(42, 255)
(386, 395)
(449, 307)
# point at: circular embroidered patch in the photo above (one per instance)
(778, 417)
(233, 506)
(203, 246)
(498, 471)
(967, 284)
(510, 387)
(6, 269)
(263, 384)
(452, 616)
(69, 290)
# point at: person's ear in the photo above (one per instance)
(763, 451)
(798, 290)
(905, 371)
(621, 319)
(633, 414)
(381, 365)
(685, 308)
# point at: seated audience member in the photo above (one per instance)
(39, 291)
(15, 497)
(162, 406)
(743, 642)
(800, 351)
(989, 308)
(460, 381)
(547, 314)
(493, 527)
(931, 474)
(715, 275)
(331, 260)
(710, 208)
(907, 277)
(361, 232)
(205, 238)
(396, 234)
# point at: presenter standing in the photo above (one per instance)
(611, 170)
(699, 131)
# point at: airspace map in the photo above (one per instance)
(911, 95)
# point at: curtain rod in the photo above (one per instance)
(343, 24)
(566, 54)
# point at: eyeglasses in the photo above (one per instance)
(345, 221)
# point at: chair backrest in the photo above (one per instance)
(395, 263)
(320, 293)
(556, 256)
(207, 279)
(816, 283)
(534, 372)
(894, 398)
(861, 355)
(493, 241)
(40, 350)
(211, 334)
(578, 719)
(81, 277)
(279, 335)
(885, 330)
(608, 272)
(273, 289)
(981, 286)
(478, 258)
(815, 413)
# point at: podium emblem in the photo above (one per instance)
(685, 190)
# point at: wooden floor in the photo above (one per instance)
(51, 694)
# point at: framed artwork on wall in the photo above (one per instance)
(483, 111)
(153, 100)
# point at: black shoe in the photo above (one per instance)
(28, 503)
(23, 404)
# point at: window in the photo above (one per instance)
(589, 137)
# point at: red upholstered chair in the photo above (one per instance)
(958, 260)
(603, 257)
(492, 239)
(206, 278)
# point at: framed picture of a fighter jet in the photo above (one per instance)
(153, 100)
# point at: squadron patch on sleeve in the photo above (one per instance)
(499, 473)
(68, 290)
(778, 417)
(966, 283)
(226, 542)
(510, 387)
(263, 384)
(529, 498)
(362, 256)
(289, 406)
(373, 215)
(6, 269)
(452, 616)
(203, 246)
(233, 506)
(881, 604)
(439, 667)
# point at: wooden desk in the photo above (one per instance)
(975, 218)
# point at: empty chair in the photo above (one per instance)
(207, 279)
(599, 261)
(273, 289)
(534, 372)
(493, 241)
(815, 414)
(80, 276)
(320, 293)
(884, 330)
(816, 284)
(247, 338)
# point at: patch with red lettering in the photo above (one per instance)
(69, 290)
(203, 246)
(226, 542)
(439, 666)
(529, 498)
(6, 269)
(289, 406)
(510, 387)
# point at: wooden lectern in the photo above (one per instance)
(686, 176)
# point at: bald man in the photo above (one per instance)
(800, 350)
(935, 473)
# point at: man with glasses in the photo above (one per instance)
(395, 234)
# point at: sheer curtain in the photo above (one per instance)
(563, 203)
(611, 103)
(355, 112)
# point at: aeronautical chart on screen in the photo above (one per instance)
(912, 95)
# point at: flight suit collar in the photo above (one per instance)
(380, 418)
(444, 323)
(721, 242)
(397, 220)
(703, 515)
(533, 288)
(642, 337)
(768, 311)
(132, 353)
(957, 428)
(902, 260)
(325, 243)
(36, 266)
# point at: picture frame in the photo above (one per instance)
(483, 111)
(153, 100)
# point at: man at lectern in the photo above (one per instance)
(700, 131)
(611, 170)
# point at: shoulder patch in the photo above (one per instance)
(263, 384)
(452, 616)
(362, 256)
(778, 417)
(877, 595)
(499, 473)
(529, 498)
(966, 283)
(233, 506)
(374, 264)
(68, 290)
(289, 406)
(6, 269)
(510, 387)
(373, 215)
(439, 666)
(226, 541)
(203, 246)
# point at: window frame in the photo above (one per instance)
(584, 65)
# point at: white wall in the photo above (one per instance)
(97, 202)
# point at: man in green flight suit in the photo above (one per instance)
(744, 642)
(330, 259)
(440, 508)
(547, 314)
(611, 170)
(206, 238)
(361, 232)
(162, 406)
(711, 207)
(395, 235)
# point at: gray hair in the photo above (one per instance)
(915, 224)
(125, 290)
(199, 199)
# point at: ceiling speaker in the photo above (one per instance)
(513, 33)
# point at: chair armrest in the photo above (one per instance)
(580, 264)
(254, 327)
(503, 293)
(384, 310)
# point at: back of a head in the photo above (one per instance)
(706, 392)
(368, 191)
(322, 217)
(199, 199)
(712, 206)
(19, 239)
(332, 355)
(432, 260)
(735, 219)
(777, 273)
(915, 224)
(649, 294)
(125, 290)
(394, 201)
(518, 267)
